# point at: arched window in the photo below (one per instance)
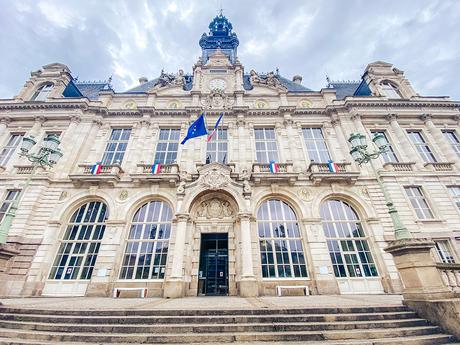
(390, 90)
(281, 250)
(148, 241)
(347, 244)
(80, 245)
(43, 92)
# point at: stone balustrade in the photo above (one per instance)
(450, 274)
(399, 167)
(24, 169)
(439, 166)
(168, 173)
(261, 171)
(110, 174)
(319, 173)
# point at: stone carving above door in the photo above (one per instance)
(215, 179)
(214, 208)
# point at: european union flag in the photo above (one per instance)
(196, 129)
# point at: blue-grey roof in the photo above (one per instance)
(349, 88)
(143, 88)
(291, 86)
(85, 89)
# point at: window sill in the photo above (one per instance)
(429, 221)
(286, 279)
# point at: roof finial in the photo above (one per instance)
(221, 11)
(109, 80)
(328, 80)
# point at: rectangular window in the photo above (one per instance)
(11, 195)
(419, 203)
(116, 147)
(316, 145)
(452, 138)
(167, 146)
(390, 155)
(216, 148)
(266, 148)
(422, 147)
(10, 148)
(455, 193)
(444, 252)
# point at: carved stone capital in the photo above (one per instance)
(240, 121)
(426, 118)
(355, 117)
(245, 216)
(287, 120)
(97, 122)
(335, 122)
(391, 117)
(40, 119)
(182, 217)
(5, 120)
(75, 119)
(144, 123)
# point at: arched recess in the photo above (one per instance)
(213, 217)
(42, 92)
(284, 195)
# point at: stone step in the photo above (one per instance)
(187, 338)
(223, 319)
(206, 312)
(211, 328)
(434, 339)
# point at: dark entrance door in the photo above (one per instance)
(213, 272)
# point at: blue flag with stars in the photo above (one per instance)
(196, 129)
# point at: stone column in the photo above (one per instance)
(138, 145)
(83, 155)
(293, 146)
(70, 144)
(243, 138)
(420, 277)
(408, 153)
(4, 122)
(282, 142)
(174, 286)
(344, 147)
(446, 152)
(248, 285)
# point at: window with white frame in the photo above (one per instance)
(348, 247)
(418, 202)
(168, 144)
(216, 148)
(10, 148)
(116, 147)
(280, 242)
(444, 251)
(421, 145)
(452, 138)
(43, 92)
(390, 90)
(82, 239)
(148, 241)
(266, 147)
(455, 193)
(316, 145)
(10, 197)
(390, 155)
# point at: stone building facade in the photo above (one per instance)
(215, 220)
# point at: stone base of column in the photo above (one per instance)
(248, 287)
(418, 272)
(6, 253)
(174, 288)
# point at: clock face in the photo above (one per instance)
(217, 84)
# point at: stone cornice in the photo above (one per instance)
(400, 103)
(43, 105)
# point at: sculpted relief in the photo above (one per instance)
(214, 208)
(269, 79)
(169, 79)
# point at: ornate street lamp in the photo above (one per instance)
(46, 157)
(359, 152)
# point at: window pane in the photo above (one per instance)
(266, 146)
(167, 146)
(116, 146)
(418, 202)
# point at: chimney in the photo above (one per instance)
(297, 79)
(143, 80)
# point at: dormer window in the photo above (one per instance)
(390, 90)
(42, 92)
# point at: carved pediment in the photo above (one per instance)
(214, 176)
(215, 208)
(218, 59)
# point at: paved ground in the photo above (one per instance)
(99, 303)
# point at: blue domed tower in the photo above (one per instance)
(220, 36)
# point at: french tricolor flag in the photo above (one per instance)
(273, 167)
(156, 168)
(332, 166)
(215, 127)
(96, 169)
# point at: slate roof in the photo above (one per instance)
(151, 83)
(349, 88)
(85, 89)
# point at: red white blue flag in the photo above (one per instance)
(156, 168)
(332, 167)
(215, 127)
(273, 167)
(96, 169)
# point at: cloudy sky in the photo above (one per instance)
(129, 39)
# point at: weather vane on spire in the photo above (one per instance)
(221, 11)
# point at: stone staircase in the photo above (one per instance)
(345, 325)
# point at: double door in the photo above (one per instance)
(213, 271)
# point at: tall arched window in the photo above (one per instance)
(390, 90)
(347, 244)
(80, 245)
(148, 241)
(281, 250)
(43, 92)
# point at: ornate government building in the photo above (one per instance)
(215, 220)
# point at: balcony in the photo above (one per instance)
(450, 274)
(261, 171)
(319, 173)
(439, 166)
(399, 167)
(169, 173)
(109, 174)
